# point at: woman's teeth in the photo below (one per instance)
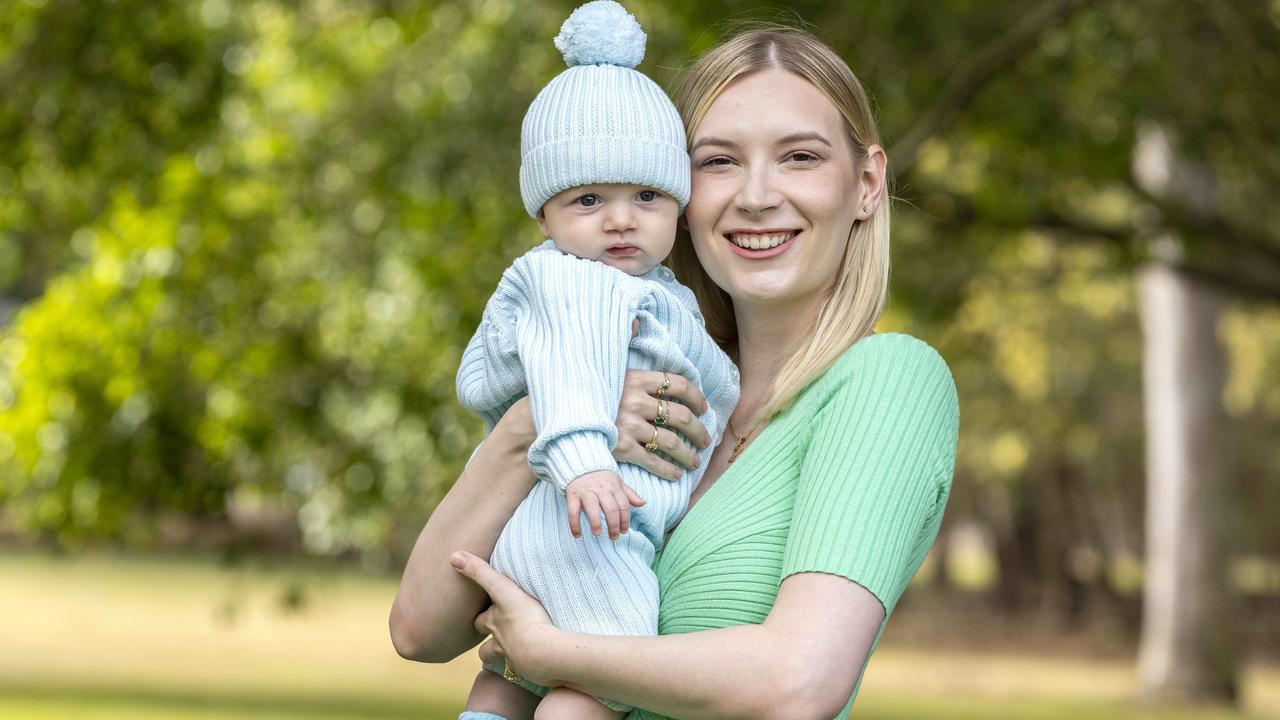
(759, 242)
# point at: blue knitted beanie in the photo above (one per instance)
(601, 121)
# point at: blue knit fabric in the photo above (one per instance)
(558, 328)
(601, 121)
(479, 716)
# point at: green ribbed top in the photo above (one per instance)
(851, 480)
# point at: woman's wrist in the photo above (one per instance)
(546, 650)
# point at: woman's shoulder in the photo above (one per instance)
(893, 349)
(888, 367)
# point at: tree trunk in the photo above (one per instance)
(1188, 647)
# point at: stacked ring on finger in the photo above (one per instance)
(652, 445)
(664, 387)
(663, 416)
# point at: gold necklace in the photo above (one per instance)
(742, 441)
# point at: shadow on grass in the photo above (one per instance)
(157, 702)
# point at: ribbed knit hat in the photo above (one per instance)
(601, 121)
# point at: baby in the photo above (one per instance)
(605, 172)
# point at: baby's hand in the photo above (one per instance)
(601, 492)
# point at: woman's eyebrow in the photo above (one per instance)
(718, 142)
(785, 140)
(801, 137)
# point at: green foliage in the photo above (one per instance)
(249, 240)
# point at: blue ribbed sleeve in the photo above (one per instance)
(558, 328)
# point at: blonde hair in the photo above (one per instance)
(861, 285)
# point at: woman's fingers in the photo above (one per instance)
(683, 419)
(680, 389)
(632, 452)
(498, 586)
(640, 398)
(670, 445)
(490, 651)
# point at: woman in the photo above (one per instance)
(779, 579)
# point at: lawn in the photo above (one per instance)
(103, 637)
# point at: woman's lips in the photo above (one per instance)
(763, 254)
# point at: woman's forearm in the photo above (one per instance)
(802, 662)
(431, 618)
(696, 675)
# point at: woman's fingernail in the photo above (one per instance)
(458, 561)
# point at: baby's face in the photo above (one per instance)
(631, 227)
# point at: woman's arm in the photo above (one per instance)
(431, 618)
(802, 662)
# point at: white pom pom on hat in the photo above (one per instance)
(601, 33)
(600, 120)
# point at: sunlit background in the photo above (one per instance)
(242, 245)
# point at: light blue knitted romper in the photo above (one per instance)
(558, 329)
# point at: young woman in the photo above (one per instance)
(825, 496)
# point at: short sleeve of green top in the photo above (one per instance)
(851, 480)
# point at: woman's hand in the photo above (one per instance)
(519, 626)
(637, 416)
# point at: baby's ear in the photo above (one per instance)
(683, 222)
(542, 223)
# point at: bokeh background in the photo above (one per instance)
(242, 244)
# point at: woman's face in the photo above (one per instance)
(775, 191)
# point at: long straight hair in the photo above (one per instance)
(861, 285)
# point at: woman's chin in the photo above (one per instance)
(768, 288)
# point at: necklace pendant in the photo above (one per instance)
(736, 449)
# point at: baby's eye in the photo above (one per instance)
(647, 195)
(588, 200)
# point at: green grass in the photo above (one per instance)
(102, 637)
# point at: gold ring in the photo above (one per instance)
(663, 415)
(652, 445)
(665, 386)
(508, 673)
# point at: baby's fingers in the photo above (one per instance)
(575, 516)
(633, 498)
(591, 505)
(612, 521)
(624, 509)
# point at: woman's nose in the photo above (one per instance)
(757, 192)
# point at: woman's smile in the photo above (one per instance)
(760, 244)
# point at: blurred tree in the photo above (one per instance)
(97, 97)
(248, 241)
(1202, 71)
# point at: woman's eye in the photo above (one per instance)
(801, 156)
(717, 160)
(588, 200)
(647, 195)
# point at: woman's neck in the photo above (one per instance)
(767, 336)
